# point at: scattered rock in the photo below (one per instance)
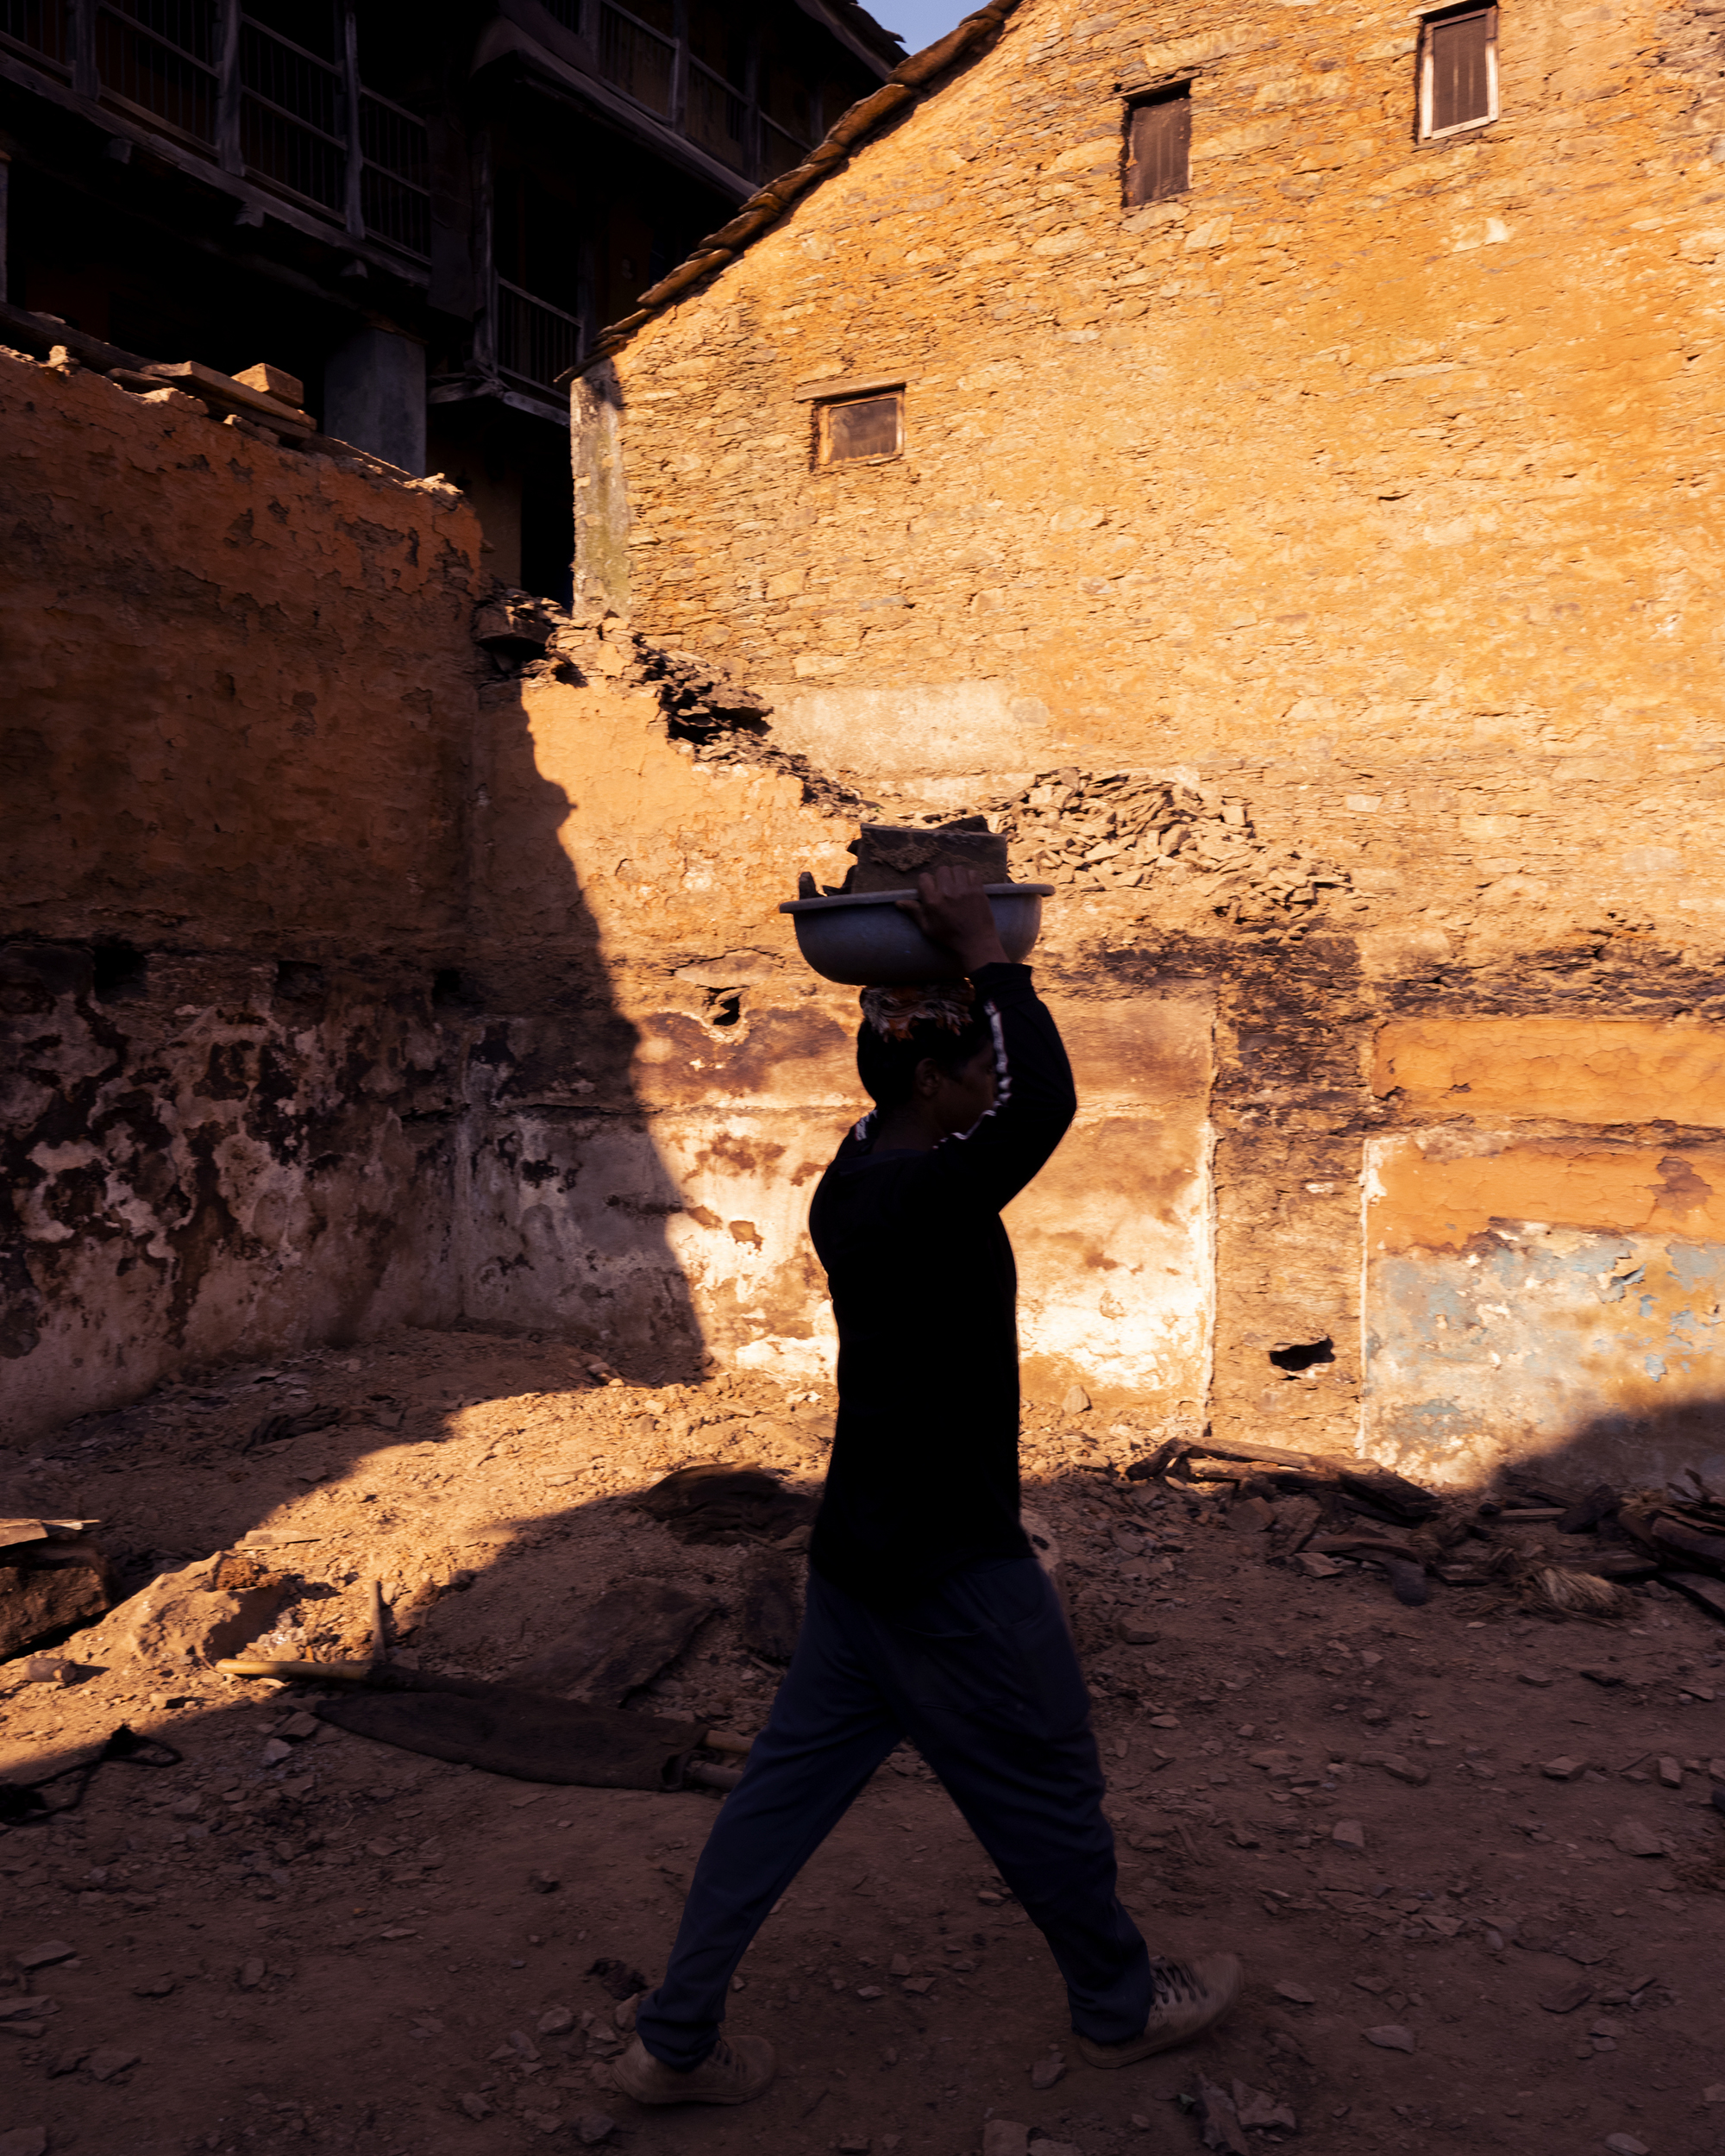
(1566, 1997)
(554, 2020)
(475, 2104)
(1541, 1678)
(772, 1613)
(275, 1752)
(154, 1988)
(1297, 1993)
(48, 1586)
(45, 1955)
(111, 2060)
(1562, 1769)
(25, 2141)
(620, 1642)
(300, 1727)
(251, 1973)
(1316, 1566)
(1348, 1834)
(1626, 2145)
(1075, 1402)
(1409, 1770)
(1251, 1516)
(1389, 2036)
(621, 1979)
(542, 1882)
(1136, 1633)
(1255, 2107)
(592, 2127)
(48, 1668)
(708, 1501)
(1046, 2072)
(899, 1965)
(1005, 2137)
(1218, 2120)
(1631, 1839)
(1671, 1772)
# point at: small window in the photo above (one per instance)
(1159, 146)
(855, 429)
(1458, 70)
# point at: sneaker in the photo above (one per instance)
(730, 2073)
(1190, 1995)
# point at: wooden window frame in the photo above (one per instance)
(826, 406)
(1428, 23)
(1175, 90)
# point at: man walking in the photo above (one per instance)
(928, 1616)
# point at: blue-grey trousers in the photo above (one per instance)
(983, 1678)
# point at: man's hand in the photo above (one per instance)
(951, 907)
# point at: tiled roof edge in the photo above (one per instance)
(763, 208)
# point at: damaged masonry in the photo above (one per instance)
(1262, 470)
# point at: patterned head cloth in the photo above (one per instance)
(892, 1012)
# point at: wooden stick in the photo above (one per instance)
(706, 1778)
(301, 1672)
(379, 1635)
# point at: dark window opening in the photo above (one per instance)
(1304, 1357)
(1159, 146)
(118, 971)
(862, 427)
(1458, 70)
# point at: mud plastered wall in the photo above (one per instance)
(348, 982)
(654, 1178)
(239, 709)
(1367, 483)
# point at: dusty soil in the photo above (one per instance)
(337, 1949)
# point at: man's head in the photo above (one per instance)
(929, 1050)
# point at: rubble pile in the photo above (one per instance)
(1124, 830)
(1566, 1554)
(1460, 1846)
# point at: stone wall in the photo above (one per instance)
(1364, 493)
(239, 709)
(354, 977)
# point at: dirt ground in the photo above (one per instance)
(346, 1948)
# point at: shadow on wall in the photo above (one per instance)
(564, 1200)
(311, 1140)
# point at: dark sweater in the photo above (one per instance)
(924, 1473)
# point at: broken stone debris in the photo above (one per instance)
(1218, 2121)
(890, 858)
(1634, 1839)
(619, 1643)
(1325, 1516)
(1122, 829)
(1389, 2036)
(53, 1578)
(199, 1614)
(708, 1502)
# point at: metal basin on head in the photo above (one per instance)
(863, 939)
